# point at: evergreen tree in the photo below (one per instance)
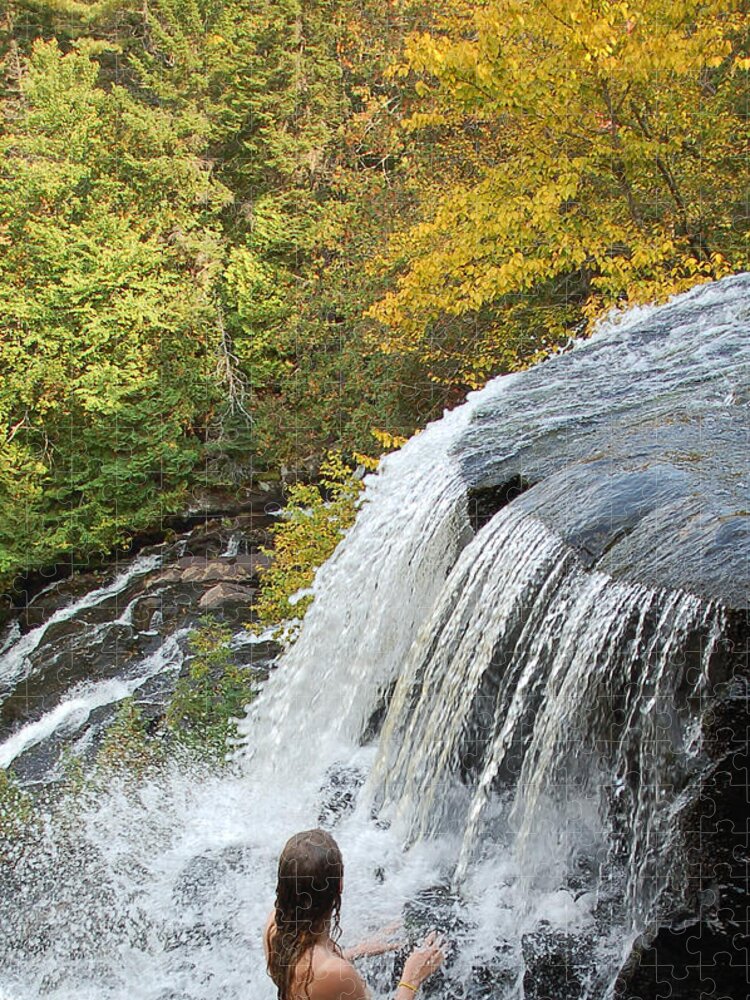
(108, 323)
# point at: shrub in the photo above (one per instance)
(311, 525)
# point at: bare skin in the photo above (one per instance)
(335, 978)
(379, 944)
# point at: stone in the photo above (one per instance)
(339, 794)
(556, 964)
(214, 569)
(171, 575)
(225, 593)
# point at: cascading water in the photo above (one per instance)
(531, 706)
(17, 660)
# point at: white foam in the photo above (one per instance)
(74, 711)
(15, 664)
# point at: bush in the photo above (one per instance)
(127, 744)
(212, 694)
(311, 526)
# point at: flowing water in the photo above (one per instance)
(497, 699)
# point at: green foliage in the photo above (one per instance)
(207, 700)
(126, 746)
(192, 195)
(311, 525)
(198, 721)
(75, 778)
(199, 718)
(16, 814)
(108, 328)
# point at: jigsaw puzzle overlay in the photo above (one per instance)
(375, 394)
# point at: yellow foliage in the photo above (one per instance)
(367, 461)
(617, 174)
(389, 441)
(312, 524)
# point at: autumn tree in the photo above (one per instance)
(190, 195)
(618, 173)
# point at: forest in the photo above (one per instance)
(237, 236)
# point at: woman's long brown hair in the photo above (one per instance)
(308, 895)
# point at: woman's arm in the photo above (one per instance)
(372, 946)
(337, 979)
(267, 932)
(378, 944)
(422, 962)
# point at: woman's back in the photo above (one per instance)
(321, 972)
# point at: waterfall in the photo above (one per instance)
(536, 675)
(513, 663)
(395, 559)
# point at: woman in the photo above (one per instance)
(302, 955)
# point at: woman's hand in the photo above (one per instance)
(424, 960)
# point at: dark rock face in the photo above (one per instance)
(201, 879)
(685, 962)
(339, 794)
(557, 965)
(636, 444)
(486, 501)
(225, 593)
(702, 947)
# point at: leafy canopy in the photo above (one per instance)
(108, 328)
(618, 173)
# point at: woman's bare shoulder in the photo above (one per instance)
(337, 979)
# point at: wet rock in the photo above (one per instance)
(702, 947)
(375, 721)
(255, 535)
(637, 466)
(438, 908)
(203, 876)
(495, 979)
(685, 962)
(196, 569)
(258, 657)
(171, 575)
(202, 572)
(225, 593)
(339, 794)
(557, 964)
(144, 610)
(485, 502)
